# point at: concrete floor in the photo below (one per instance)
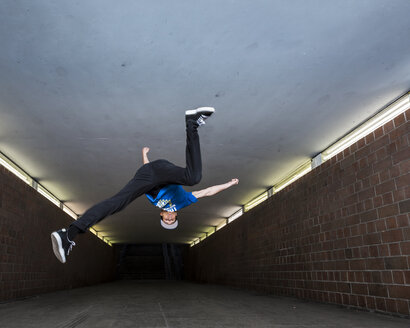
(123, 304)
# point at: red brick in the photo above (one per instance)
(370, 302)
(406, 233)
(368, 171)
(361, 301)
(399, 195)
(371, 239)
(405, 248)
(398, 277)
(401, 291)
(387, 198)
(383, 250)
(403, 307)
(404, 206)
(391, 223)
(402, 181)
(394, 171)
(375, 264)
(394, 249)
(373, 251)
(369, 138)
(384, 187)
(371, 227)
(388, 210)
(359, 277)
(381, 166)
(407, 276)
(388, 127)
(380, 226)
(353, 300)
(357, 265)
(368, 216)
(378, 201)
(378, 132)
(355, 241)
(387, 277)
(404, 166)
(384, 175)
(380, 304)
(391, 306)
(374, 180)
(360, 289)
(392, 236)
(399, 120)
(401, 155)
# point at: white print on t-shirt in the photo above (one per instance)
(164, 202)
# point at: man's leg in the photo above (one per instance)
(168, 173)
(141, 183)
(193, 170)
(133, 189)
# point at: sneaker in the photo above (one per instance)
(61, 244)
(199, 115)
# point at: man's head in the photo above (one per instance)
(169, 219)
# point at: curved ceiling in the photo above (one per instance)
(85, 85)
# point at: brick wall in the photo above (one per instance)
(27, 263)
(340, 234)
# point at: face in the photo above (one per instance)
(168, 217)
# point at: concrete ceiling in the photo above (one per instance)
(84, 85)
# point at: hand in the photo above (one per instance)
(234, 182)
(145, 150)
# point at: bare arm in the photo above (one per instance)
(214, 189)
(145, 151)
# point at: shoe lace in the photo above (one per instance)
(70, 248)
(201, 120)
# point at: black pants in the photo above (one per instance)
(150, 178)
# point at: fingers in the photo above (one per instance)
(145, 149)
(235, 181)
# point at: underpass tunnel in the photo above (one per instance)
(298, 113)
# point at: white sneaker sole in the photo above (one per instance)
(200, 110)
(58, 247)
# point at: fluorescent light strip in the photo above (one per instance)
(70, 212)
(386, 115)
(256, 201)
(299, 172)
(13, 168)
(9, 165)
(210, 232)
(235, 215)
(221, 225)
(48, 195)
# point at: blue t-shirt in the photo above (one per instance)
(172, 198)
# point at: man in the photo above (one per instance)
(160, 180)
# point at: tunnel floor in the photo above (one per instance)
(131, 303)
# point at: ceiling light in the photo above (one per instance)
(13, 168)
(299, 172)
(48, 195)
(386, 115)
(221, 225)
(236, 215)
(256, 201)
(70, 212)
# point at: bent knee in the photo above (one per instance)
(194, 180)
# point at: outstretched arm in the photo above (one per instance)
(145, 151)
(215, 189)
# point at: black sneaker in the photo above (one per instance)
(199, 115)
(61, 244)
